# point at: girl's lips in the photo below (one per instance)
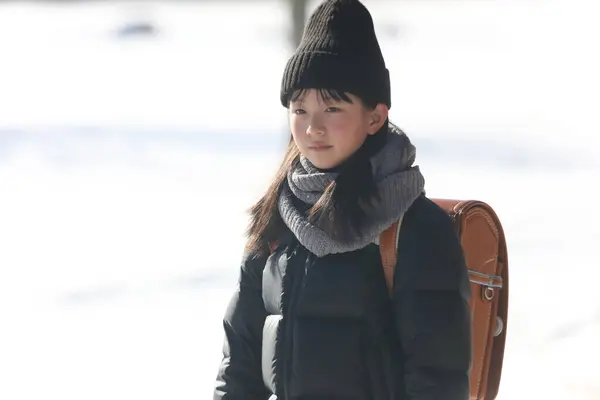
(320, 147)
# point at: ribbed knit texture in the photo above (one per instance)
(398, 182)
(339, 50)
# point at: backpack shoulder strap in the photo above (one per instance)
(388, 247)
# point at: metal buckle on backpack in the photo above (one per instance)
(488, 293)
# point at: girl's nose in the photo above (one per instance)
(315, 128)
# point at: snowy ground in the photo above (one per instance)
(126, 165)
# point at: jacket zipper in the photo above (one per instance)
(297, 282)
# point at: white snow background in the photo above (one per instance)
(127, 162)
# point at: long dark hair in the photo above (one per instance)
(340, 210)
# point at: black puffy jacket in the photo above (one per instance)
(302, 327)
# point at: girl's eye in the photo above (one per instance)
(332, 109)
(298, 111)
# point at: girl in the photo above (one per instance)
(312, 318)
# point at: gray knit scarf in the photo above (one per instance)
(399, 183)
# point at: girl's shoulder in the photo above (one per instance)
(425, 216)
(251, 268)
(429, 250)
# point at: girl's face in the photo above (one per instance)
(328, 131)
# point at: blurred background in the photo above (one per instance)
(134, 136)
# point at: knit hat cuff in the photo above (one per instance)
(327, 70)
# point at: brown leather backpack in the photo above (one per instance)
(484, 245)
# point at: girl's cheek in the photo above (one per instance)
(340, 127)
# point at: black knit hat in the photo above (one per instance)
(339, 51)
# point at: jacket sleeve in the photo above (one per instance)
(240, 374)
(432, 315)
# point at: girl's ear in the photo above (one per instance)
(377, 118)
